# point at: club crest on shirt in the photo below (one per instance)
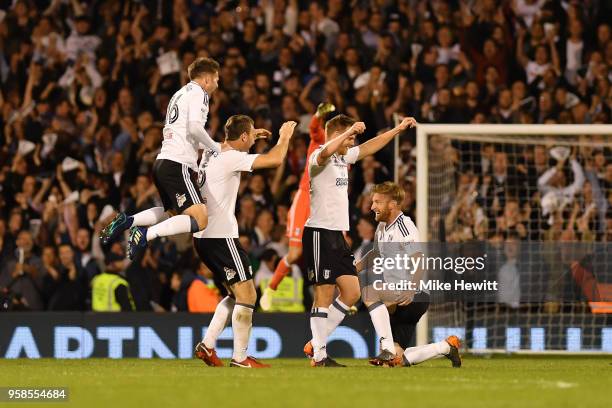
(180, 199)
(229, 273)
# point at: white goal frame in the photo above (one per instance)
(424, 131)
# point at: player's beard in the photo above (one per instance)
(382, 216)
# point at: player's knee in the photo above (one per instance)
(250, 297)
(247, 294)
(199, 212)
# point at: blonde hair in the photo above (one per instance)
(389, 188)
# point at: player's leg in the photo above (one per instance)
(145, 218)
(282, 269)
(284, 265)
(446, 348)
(242, 323)
(239, 278)
(338, 264)
(348, 285)
(403, 325)
(315, 253)
(382, 325)
(323, 297)
(177, 183)
(296, 218)
(122, 222)
(205, 349)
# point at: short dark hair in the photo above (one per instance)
(202, 66)
(237, 125)
(338, 123)
(390, 189)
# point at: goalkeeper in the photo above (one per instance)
(395, 313)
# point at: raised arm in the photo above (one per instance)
(375, 144)
(277, 154)
(331, 147)
(520, 53)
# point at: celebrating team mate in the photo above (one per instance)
(175, 168)
(218, 245)
(328, 258)
(396, 232)
(300, 207)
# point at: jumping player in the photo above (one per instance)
(175, 168)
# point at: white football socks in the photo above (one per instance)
(148, 217)
(242, 321)
(382, 324)
(416, 355)
(337, 312)
(318, 326)
(219, 321)
(178, 224)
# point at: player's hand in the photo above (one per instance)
(406, 123)
(266, 299)
(262, 134)
(324, 108)
(286, 130)
(357, 128)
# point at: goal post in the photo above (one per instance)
(519, 138)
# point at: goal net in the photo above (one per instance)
(538, 200)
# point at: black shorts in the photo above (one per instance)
(326, 255)
(226, 258)
(177, 185)
(405, 319)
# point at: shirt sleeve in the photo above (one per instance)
(314, 156)
(352, 155)
(243, 161)
(197, 107)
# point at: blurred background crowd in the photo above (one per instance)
(85, 86)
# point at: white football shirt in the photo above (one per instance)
(329, 205)
(221, 190)
(398, 237)
(402, 229)
(188, 104)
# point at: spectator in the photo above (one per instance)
(83, 99)
(22, 274)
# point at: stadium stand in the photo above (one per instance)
(85, 86)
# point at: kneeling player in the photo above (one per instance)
(218, 245)
(396, 232)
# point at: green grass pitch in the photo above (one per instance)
(501, 381)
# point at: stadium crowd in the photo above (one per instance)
(85, 86)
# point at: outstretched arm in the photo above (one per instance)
(277, 154)
(375, 144)
(331, 147)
